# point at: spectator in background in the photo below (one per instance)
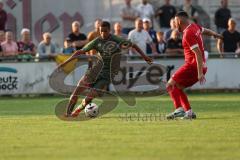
(231, 39)
(68, 49)
(165, 14)
(167, 35)
(118, 30)
(91, 36)
(191, 10)
(3, 17)
(139, 36)
(77, 38)
(161, 44)
(145, 10)
(222, 16)
(174, 44)
(9, 46)
(129, 14)
(2, 36)
(96, 32)
(26, 46)
(151, 48)
(46, 47)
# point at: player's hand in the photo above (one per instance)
(218, 36)
(202, 79)
(148, 60)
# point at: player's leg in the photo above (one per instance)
(98, 88)
(82, 85)
(174, 92)
(88, 99)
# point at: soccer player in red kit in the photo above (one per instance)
(194, 68)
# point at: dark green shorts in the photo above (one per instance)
(100, 83)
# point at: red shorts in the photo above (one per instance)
(187, 75)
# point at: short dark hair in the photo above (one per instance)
(182, 14)
(106, 24)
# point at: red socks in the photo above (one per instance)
(179, 98)
(175, 95)
(184, 101)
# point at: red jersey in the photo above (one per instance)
(192, 38)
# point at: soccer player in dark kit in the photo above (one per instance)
(101, 74)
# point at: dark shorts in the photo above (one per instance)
(100, 83)
(187, 75)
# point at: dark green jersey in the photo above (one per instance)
(109, 55)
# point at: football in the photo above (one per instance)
(91, 110)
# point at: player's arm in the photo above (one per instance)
(74, 55)
(220, 47)
(199, 59)
(87, 48)
(141, 53)
(210, 33)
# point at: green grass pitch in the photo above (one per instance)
(30, 130)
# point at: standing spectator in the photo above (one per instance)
(26, 46)
(77, 38)
(9, 46)
(145, 10)
(167, 35)
(118, 30)
(174, 44)
(91, 36)
(2, 36)
(152, 33)
(129, 14)
(165, 14)
(3, 17)
(161, 44)
(139, 36)
(222, 16)
(68, 49)
(46, 47)
(191, 10)
(96, 32)
(231, 39)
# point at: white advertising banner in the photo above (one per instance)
(25, 78)
(33, 77)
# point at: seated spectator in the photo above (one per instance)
(9, 46)
(147, 27)
(165, 14)
(26, 48)
(168, 33)
(129, 14)
(2, 39)
(161, 44)
(2, 36)
(118, 30)
(77, 38)
(231, 39)
(46, 47)
(139, 36)
(174, 44)
(68, 49)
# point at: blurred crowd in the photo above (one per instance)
(136, 25)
